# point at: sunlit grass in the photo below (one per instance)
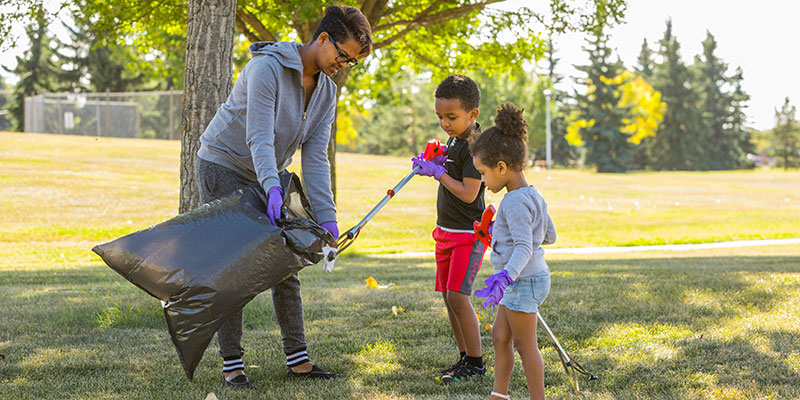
(73, 188)
(706, 324)
(378, 358)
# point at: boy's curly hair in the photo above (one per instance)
(462, 88)
(345, 22)
(505, 141)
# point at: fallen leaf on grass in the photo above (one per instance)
(396, 309)
(371, 282)
(211, 396)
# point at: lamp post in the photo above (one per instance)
(548, 143)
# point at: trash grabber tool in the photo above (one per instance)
(432, 149)
(572, 367)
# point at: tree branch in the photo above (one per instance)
(367, 6)
(245, 29)
(417, 18)
(261, 32)
(423, 19)
(374, 10)
(421, 57)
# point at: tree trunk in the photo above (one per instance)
(207, 81)
(340, 78)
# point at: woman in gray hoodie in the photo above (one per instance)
(283, 99)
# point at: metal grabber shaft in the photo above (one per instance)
(432, 149)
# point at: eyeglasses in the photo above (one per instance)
(343, 58)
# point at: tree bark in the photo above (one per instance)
(340, 78)
(207, 81)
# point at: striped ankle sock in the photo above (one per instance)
(297, 358)
(230, 364)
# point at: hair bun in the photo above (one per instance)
(510, 122)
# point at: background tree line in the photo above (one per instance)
(660, 114)
(387, 108)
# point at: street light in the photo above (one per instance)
(548, 142)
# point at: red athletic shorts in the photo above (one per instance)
(458, 260)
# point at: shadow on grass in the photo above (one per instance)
(635, 322)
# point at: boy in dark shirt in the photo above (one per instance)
(459, 203)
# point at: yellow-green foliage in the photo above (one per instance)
(644, 102)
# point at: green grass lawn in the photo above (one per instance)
(708, 324)
(74, 188)
(712, 324)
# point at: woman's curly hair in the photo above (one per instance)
(505, 141)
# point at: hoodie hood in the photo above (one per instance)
(285, 52)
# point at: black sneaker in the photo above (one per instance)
(315, 373)
(239, 382)
(452, 367)
(464, 372)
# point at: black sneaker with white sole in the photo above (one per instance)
(464, 372)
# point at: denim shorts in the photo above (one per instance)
(526, 294)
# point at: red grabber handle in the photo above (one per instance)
(482, 228)
(432, 149)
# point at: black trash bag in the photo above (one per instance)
(209, 262)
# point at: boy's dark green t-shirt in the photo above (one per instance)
(453, 213)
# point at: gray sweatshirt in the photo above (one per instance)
(258, 129)
(522, 225)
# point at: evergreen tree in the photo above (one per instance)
(786, 136)
(645, 68)
(678, 143)
(606, 145)
(641, 159)
(38, 71)
(715, 106)
(105, 66)
(563, 153)
(5, 121)
(742, 138)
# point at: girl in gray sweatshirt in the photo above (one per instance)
(522, 279)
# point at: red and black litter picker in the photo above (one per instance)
(572, 367)
(482, 229)
(432, 149)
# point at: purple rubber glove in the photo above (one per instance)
(439, 160)
(491, 225)
(428, 168)
(274, 203)
(495, 288)
(331, 227)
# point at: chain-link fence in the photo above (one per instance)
(153, 115)
(5, 116)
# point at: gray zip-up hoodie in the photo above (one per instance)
(258, 129)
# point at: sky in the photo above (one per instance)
(758, 36)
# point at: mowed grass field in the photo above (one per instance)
(61, 189)
(706, 324)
